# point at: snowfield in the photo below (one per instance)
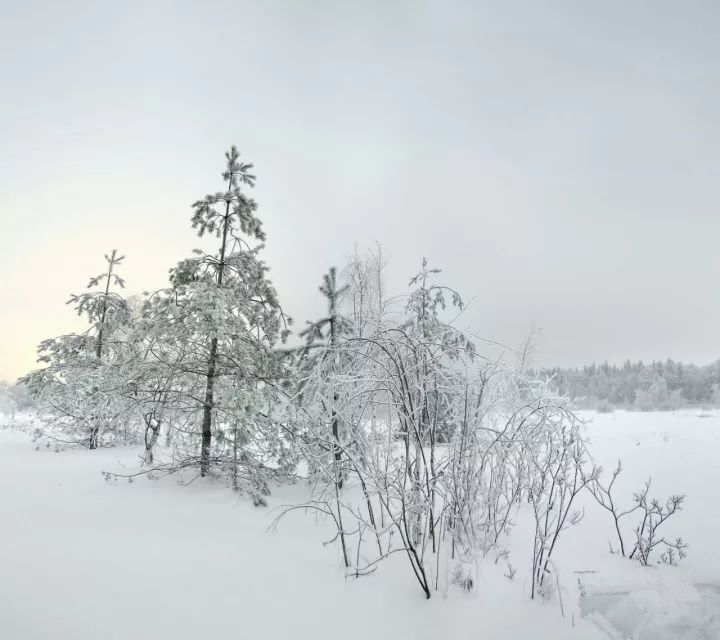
(82, 558)
(680, 451)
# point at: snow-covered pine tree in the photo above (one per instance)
(322, 339)
(216, 328)
(321, 361)
(80, 383)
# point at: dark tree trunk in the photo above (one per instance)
(207, 410)
(334, 415)
(213, 355)
(94, 432)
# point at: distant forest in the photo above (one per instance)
(658, 386)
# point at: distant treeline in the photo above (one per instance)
(635, 385)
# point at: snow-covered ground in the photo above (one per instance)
(82, 558)
(681, 452)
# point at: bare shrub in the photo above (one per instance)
(654, 514)
(558, 464)
(647, 536)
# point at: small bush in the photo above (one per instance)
(653, 515)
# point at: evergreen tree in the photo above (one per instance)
(328, 332)
(81, 382)
(216, 328)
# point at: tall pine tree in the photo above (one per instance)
(224, 311)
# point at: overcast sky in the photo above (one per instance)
(559, 161)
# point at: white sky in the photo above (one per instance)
(559, 160)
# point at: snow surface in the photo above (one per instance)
(680, 451)
(82, 558)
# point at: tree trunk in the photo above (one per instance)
(94, 432)
(207, 410)
(95, 429)
(335, 421)
(336, 444)
(152, 431)
(212, 358)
